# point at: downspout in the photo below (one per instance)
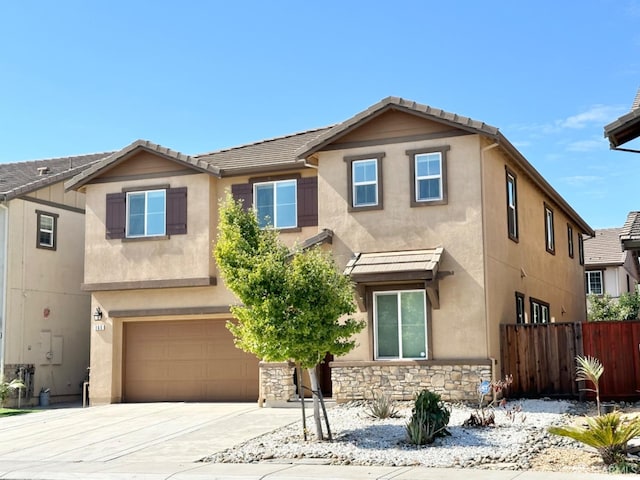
(4, 210)
(484, 258)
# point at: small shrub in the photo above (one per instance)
(382, 406)
(6, 387)
(484, 415)
(589, 369)
(429, 419)
(608, 434)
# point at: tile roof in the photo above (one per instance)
(625, 128)
(604, 248)
(20, 178)
(394, 103)
(630, 232)
(272, 154)
(422, 263)
(116, 157)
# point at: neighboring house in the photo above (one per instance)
(445, 228)
(608, 268)
(44, 316)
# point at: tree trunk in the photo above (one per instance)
(315, 386)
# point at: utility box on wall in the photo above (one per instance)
(50, 349)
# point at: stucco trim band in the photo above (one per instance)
(145, 284)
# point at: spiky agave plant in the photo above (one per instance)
(608, 434)
(590, 369)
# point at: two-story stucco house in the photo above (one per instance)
(445, 228)
(44, 315)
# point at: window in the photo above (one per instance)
(275, 203)
(400, 324)
(550, 241)
(146, 213)
(150, 213)
(580, 249)
(364, 174)
(47, 230)
(570, 240)
(539, 311)
(520, 308)
(365, 183)
(428, 176)
(512, 206)
(593, 281)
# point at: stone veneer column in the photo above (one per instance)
(277, 388)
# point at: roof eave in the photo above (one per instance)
(273, 168)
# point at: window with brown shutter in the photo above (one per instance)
(244, 192)
(175, 215)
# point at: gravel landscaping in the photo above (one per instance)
(516, 442)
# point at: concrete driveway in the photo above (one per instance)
(116, 435)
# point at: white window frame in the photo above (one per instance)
(51, 231)
(364, 183)
(275, 221)
(550, 238)
(428, 177)
(375, 324)
(146, 193)
(512, 205)
(595, 273)
(539, 312)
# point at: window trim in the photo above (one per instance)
(412, 154)
(549, 230)
(543, 306)
(349, 160)
(512, 178)
(520, 313)
(397, 289)
(570, 245)
(146, 192)
(587, 281)
(275, 183)
(54, 230)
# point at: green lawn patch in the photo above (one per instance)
(8, 412)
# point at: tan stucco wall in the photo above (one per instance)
(526, 266)
(39, 279)
(178, 257)
(458, 327)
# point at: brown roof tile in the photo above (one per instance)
(604, 248)
(20, 178)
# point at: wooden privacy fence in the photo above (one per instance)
(541, 357)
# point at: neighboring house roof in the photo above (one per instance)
(630, 232)
(133, 149)
(625, 128)
(271, 154)
(604, 248)
(21, 178)
(435, 114)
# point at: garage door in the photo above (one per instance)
(186, 361)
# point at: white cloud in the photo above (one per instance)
(598, 114)
(586, 145)
(581, 180)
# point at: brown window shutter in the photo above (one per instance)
(244, 192)
(177, 211)
(308, 201)
(116, 215)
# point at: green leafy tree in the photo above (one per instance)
(629, 306)
(605, 308)
(293, 303)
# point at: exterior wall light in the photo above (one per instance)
(97, 315)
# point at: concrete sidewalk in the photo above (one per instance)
(159, 441)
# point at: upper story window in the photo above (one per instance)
(275, 203)
(47, 230)
(428, 176)
(570, 240)
(154, 212)
(512, 206)
(364, 174)
(593, 282)
(284, 202)
(580, 249)
(146, 213)
(400, 324)
(539, 311)
(550, 239)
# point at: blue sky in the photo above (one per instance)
(88, 76)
